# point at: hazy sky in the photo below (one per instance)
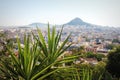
(23, 12)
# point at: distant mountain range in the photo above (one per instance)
(37, 25)
(75, 22)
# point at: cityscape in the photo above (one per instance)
(93, 37)
(59, 40)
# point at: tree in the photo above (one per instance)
(90, 55)
(111, 46)
(115, 41)
(4, 43)
(3, 48)
(113, 64)
(99, 56)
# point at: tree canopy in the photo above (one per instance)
(113, 64)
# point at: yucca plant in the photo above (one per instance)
(37, 59)
(83, 74)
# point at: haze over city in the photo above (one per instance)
(24, 12)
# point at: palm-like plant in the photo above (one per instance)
(36, 59)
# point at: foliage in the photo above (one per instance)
(4, 40)
(115, 41)
(99, 56)
(90, 55)
(94, 55)
(36, 59)
(110, 46)
(94, 72)
(98, 71)
(80, 72)
(107, 76)
(84, 71)
(113, 64)
(78, 50)
(2, 44)
(4, 56)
